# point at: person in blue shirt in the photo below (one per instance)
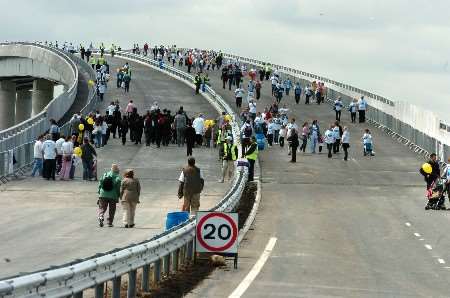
(287, 86)
(297, 92)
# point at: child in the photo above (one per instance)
(368, 143)
(283, 133)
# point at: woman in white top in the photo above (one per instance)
(67, 151)
(345, 142)
(329, 136)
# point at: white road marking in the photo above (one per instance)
(417, 234)
(421, 239)
(245, 283)
(427, 246)
(407, 224)
(441, 261)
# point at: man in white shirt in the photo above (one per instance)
(239, 93)
(37, 166)
(330, 139)
(111, 108)
(49, 153)
(252, 109)
(58, 144)
(362, 106)
(199, 126)
(338, 108)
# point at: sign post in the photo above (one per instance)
(217, 232)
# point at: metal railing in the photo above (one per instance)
(19, 145)
(160, 255)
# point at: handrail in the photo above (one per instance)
(162, 251)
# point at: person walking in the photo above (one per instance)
(305, 135)
(330, 139)
(130, 190)
(49, 153)
(38, 157)
(315, 135)
(197, 83)
(199, 126)
(338, 108)
(297, 92)
(190, 187)
(189, 136)
(229, 155)
(180, 121)
(362, 106)
(109, 193)
(251, 153)
(337, 137)
(67, 152)
(239, 93)
(87, 157)
(352, 109)
(367, 143)
(293, 140)
(345, 142)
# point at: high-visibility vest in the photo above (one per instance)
(219, 137)
(233, 150)
(254, 154)
(101, 60)
(92, 60)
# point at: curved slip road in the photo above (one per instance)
(343, 229)
(50, 223)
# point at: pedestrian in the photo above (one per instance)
(251, 153)
(293, 140)
(87, 157)
(189, 136)
(199, 126)
(308, 94)
(367, 143)
(352, 108)
(258, 89)
(224, 76)
(229, 155)
(330, 140)
(130, 190)
(67, 152)
(191, 185)
(239, 93)
(38, 157)
(297, 92)
(109, 193)
(180, 122)
(362, 106)
(54, 130)
(49, 153)
(430, 178)
(283, 132)
(126, 80)
(124, 129)
(346, 142)
(101, 90)
(270, 132)
(337, 137)
(305, 135)
(338, 107)
(197, 83)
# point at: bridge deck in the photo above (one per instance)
(50, 223)
(341, 226)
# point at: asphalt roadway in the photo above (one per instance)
(49, 223)
(343, 229)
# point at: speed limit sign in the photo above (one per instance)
(217, 232)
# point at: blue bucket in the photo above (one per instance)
(176, 218)
(261, 141)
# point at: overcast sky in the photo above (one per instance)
(397, 48)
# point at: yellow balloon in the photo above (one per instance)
(91, 83)
(77, 151)
(228, 118)
(81, 126)
(427, 168)
(90, 121)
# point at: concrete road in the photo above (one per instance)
(343, 229)
(50, 223)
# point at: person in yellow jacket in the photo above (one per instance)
(251, 153)
(229, 155)
(101, 60)
(92, 62)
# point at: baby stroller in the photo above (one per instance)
(436, 195)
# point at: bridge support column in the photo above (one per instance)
(23, 105)
(42, 95)
(7, 103)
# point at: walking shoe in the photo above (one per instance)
(126, 226)
(110, 225)
(131, 226)
(100, 222)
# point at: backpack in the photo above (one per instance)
(107, 183)
(248, 131)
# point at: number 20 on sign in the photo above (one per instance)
(217, 232)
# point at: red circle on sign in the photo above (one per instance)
(228, 219)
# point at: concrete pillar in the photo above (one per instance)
(23, 105)
(7, 103)
(42, 95)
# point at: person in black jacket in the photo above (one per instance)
(224, 76)
(124, 129)
(435, 173)
(293, 140)
(190, 136)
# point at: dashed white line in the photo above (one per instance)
(427, 246)
(407, 224)
(417, 234)
(245, 283)
(421, 239)
(441, 261)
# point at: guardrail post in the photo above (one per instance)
(157, 271)
(175, 258)
(166, 265)
(190, 250)
(131, 293)
(116, 287)
(145, 278)
(99, 290)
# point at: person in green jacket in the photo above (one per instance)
(109, 193)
